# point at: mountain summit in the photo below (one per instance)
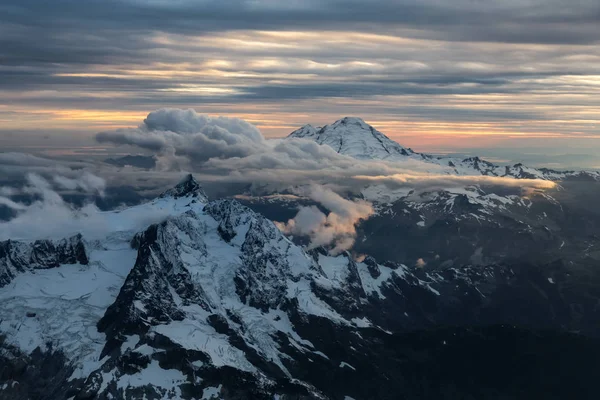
(187, 187)
(353, 137)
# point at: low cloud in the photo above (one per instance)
(336, 229)
(436, 181)
(232, 150)
(5, 201)
(232, 157)
(50, 216)
(87, 182)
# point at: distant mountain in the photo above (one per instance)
(353, 137)
(145, 162)
(214, 302)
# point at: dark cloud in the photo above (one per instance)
(457, 19)
(122, 55)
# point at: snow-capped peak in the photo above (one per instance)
(352, 136)
(187, 187)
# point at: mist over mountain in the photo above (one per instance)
(334, 263)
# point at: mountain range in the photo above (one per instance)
(456, 293)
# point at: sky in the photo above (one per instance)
(508, 80)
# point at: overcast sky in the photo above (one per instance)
(435, 75)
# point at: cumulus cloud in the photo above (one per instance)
(420, 263)
(336, 229)
(177, 132)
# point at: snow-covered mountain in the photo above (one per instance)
(213, 301)
(353, 137)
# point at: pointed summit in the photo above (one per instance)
(353, 137)
(187, 187)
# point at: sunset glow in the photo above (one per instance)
(427, 88)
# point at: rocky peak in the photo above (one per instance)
(187, 187)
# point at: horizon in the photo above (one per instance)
(546, 157)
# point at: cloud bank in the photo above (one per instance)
(232, 150)
(434, 181)
(229, 150)
(233, 156)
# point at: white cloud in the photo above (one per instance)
(336, 229)
(232, 150)
(187, 133)
(52, 217)
(87, 182)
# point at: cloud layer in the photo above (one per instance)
(232, 150)
(233, 156)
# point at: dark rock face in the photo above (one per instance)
(445, 229)
(146, 294)
(494, 362)
(39, 375)
(18, 257)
